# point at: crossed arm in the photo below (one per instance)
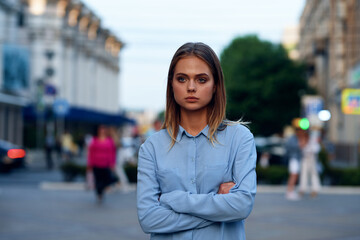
(153, 217)
(234, 206)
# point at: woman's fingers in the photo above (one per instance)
(224, 188)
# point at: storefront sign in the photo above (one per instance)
(350, 101)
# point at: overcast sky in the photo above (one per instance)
(153, 30)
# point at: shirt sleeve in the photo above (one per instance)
(233, 206)
(153, 217)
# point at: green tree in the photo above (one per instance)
(263, 85)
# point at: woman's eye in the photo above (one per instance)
(202, 80)
(181, 79)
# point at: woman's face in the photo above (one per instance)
(193, 83)
(102, 131)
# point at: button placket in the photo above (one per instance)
(192, 164)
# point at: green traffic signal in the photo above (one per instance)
(304, 124)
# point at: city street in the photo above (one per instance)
(35, 204)
(198, 94)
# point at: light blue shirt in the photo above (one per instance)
(177, 187)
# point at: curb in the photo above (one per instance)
(81, 186)
(324, 190)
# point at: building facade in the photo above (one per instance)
(330, 47)
(74, 54)
(14, 72)
(66, 56)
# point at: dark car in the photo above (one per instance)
(274, 147)
(11, 156)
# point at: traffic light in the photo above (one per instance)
(304, 124)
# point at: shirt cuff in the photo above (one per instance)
(234, 188)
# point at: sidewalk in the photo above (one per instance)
(37, 174)
(35, 161)
(337, 190)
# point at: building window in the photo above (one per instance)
(6, 122)
(21, 17)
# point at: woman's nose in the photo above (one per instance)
(191, 86)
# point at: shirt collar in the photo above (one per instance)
(182, 131)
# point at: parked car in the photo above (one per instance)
(273, 147)
(11, 156)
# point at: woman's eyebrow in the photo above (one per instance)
(200, 74)
(180, 73)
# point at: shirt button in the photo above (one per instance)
(193, 180)
(193, 159)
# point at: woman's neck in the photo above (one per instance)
(101, 138)
(193, 121)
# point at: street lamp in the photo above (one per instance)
(324, 115)
(37, 7)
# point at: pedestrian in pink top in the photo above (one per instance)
(102, 160)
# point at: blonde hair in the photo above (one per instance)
(217, 105)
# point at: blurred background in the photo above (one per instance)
(67, 66)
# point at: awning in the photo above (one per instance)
(77, 114)
(13, 100)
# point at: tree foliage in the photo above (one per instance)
(263, 85)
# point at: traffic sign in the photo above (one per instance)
(61, 107)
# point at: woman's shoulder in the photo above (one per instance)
(155, 142)
(236, 130)
(157, 137)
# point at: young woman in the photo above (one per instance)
(196, 176)
(294, 153)
(101, 160)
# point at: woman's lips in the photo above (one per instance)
(191, 99)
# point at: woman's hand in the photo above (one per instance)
(224, 188)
